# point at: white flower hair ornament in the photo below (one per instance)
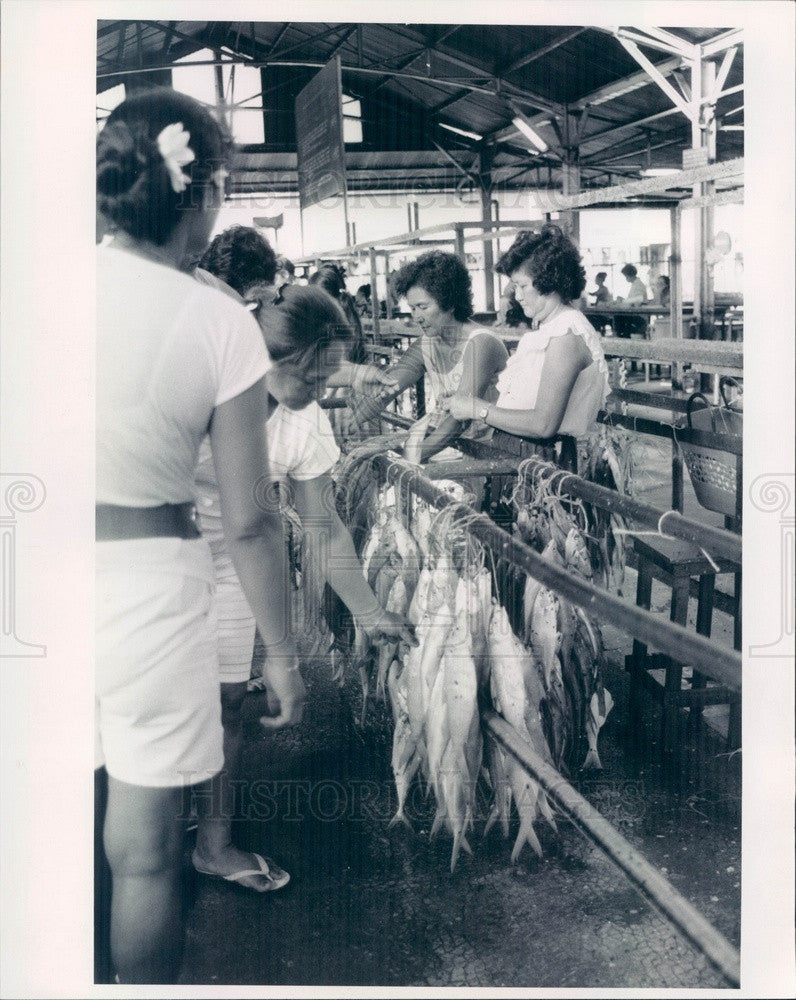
(173, 147)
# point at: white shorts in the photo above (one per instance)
(158, 710)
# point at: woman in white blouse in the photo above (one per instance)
(557, 379)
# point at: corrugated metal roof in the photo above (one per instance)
(461, 75)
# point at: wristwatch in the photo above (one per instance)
(482, 412)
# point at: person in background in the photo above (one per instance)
(331, 278)
(601, 295)
(637, 292)
(285, 271)
(306, 336)
(458, 356)
(175, 361)
(557, 379)
(662, 291)
(509, 310)
(624, 326)
(239, 257)
(362, 301)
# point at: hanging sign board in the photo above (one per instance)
(321, 160)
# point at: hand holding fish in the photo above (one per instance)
(389, 624)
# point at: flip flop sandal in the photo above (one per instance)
(269, 875)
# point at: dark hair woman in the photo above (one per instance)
(173, 359)
(307, 337)
(240, 257)
(557, 378)
(459, 357)
(331, 278)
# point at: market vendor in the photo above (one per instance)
(457, 356)
(557, 379)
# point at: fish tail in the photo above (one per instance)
(546, 810)
(592, 761)
(399, 817)
(528, 835)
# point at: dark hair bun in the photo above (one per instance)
(553, 232)
(120, 161)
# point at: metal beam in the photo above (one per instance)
(343, 39)
(447, 102)
(651, 69)
(726, 66)
(462, 170)
(639, 149)
(653, 185)
(543, 51)
(721, 42)
(307, 40)
(626, 85)
(279, 36)
(678, 44)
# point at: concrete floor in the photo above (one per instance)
(372, 906)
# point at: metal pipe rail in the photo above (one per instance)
(688, 647)
(719, 543)
(644, 877)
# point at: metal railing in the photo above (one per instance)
(668, 636)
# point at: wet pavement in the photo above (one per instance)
(370, 905)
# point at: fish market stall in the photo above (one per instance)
(506, 680)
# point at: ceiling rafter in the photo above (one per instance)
(626, 85)
(538, 53)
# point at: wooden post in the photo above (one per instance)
(676, 288)
(571, 183)
(485, 169)
(459, 242)
(374, 291)
(388, 299)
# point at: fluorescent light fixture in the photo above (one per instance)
(659, 171)
(461, 131)
(523, 125)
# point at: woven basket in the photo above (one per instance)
(713, 473)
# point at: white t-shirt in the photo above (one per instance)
(518, 383)
(169, 350)
(301, 446)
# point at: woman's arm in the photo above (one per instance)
(340, 565)
(254, 537)
(565, 359)
(484, 357)
(406, 371)
(359, 376)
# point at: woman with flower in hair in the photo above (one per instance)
(557, 379)
(175, 361)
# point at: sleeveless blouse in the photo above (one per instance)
(518, 383)
(443, 385)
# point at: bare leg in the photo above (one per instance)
(102, 883)
(214, 850)
(215, 853)
(143, 843)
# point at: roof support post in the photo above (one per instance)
(703, 136)
(570, 174)
(374, 290)
(676, 274)
(459, 242)
(485, 171)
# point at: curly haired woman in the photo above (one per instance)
(557, 379)
(459, 357)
